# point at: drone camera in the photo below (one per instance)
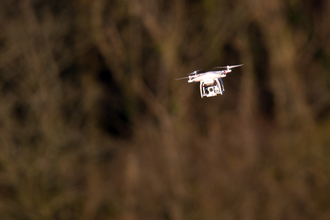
(212, 90)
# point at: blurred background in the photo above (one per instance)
(94, 126)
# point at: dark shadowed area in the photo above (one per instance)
(93, 124)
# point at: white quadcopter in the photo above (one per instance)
(210, 81)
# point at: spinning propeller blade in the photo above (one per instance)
(234, 66)
(190, 75)
(228, 67)
(195, 72)
(182, 78)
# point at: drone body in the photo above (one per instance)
(210, 81)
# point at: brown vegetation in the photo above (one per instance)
(94, 126)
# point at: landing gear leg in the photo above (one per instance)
(202, 88)
(222, 86)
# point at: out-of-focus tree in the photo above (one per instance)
(94, 126)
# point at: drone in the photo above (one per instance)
(210, 80)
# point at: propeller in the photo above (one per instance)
(190, 74)
(182, 78)
(218, 67)
(228, 67)
(195, 72)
